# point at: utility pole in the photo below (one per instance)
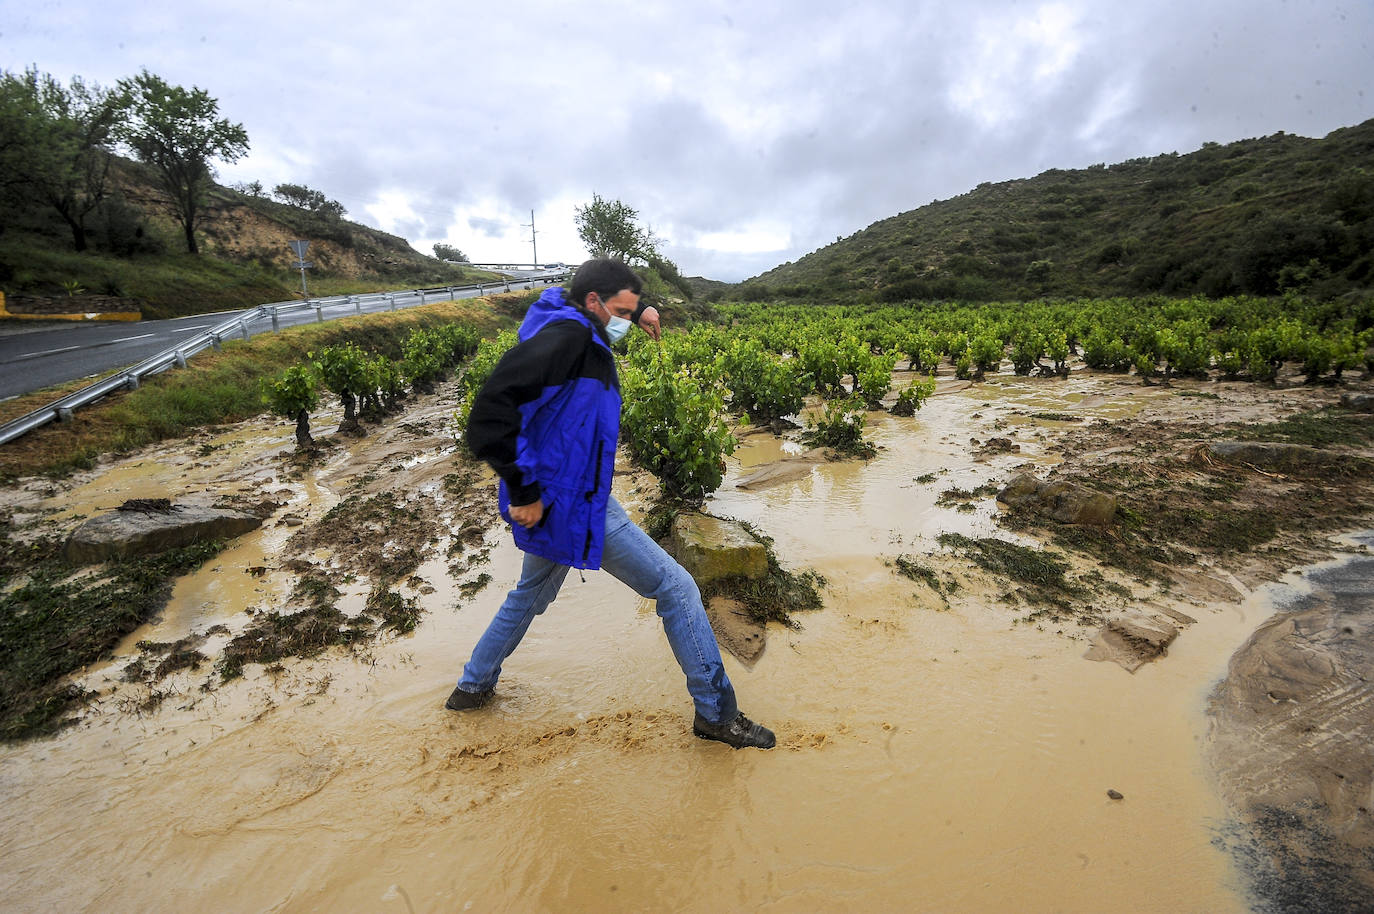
(533, 241)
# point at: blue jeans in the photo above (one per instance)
(635, 559)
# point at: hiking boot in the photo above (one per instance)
(462, 700)
(738, 733)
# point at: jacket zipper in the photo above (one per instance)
(596, 480)
(596, 486)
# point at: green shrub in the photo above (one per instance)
(673, 423)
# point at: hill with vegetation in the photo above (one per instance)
(1259, 216)
(135, 250)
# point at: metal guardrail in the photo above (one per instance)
(130, 378)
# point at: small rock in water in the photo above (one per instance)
(1115, 795)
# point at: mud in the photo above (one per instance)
(1291, 730)
(948, 745)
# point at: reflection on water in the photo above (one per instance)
(927, 760)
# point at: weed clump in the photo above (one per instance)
(1039, 576)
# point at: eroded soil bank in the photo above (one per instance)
(1291, 738)
(942, 742)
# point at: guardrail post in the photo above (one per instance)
(319, 314)
(214, 341)
(64, 414)
(391, 300)
(243, 326)
(357, 305)
(181, 359)
(131, 381)
(422, 297)
(276, 323)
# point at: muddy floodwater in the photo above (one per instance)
(930, 757)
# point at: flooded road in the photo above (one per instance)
(929, 757)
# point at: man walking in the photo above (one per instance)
(547, 422)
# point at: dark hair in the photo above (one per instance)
(605, 276)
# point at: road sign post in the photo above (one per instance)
(298, 247)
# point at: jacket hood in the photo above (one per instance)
(552, 306)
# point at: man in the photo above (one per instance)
(547, 421)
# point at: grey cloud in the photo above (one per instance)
(487, 228)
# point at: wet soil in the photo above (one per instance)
(940, 735)
(1292, 727)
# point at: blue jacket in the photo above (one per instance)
(547, 420)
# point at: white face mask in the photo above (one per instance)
(617, 327)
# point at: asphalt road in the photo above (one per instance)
(34, 359)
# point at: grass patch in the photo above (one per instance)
(962, 497)
(59, 619)
(1038, 574)
(276, 636)
(1056, 417)
(1318, 428)
(396, 612)
(924, 574)
(1199, 394)
(472, 588)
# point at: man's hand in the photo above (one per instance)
(527, 515)
(648, 322)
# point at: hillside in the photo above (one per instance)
(137, 252)
(1258, 216)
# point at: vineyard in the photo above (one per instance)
(759, 364)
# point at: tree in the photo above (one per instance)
(55, 144)
(610, 228)
(299, 195)
(449, 252)
(178, 132)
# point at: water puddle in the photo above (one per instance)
(929, 757)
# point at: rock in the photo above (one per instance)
(1204, 588)
(1062, 501)
(1132, 642)
(1115, 795)
(711, 548)
(125, 533)
(736, 631)
(1273, 456)
(788, 469)
(1363, 403)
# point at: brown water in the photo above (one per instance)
(928, 759)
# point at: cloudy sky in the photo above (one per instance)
(745, 134)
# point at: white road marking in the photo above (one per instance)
(39, 355)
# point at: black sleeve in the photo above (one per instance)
(526, 370)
